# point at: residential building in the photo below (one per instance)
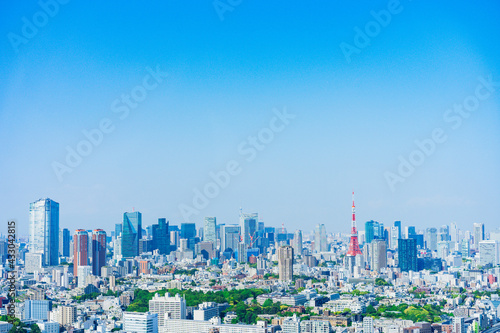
(167, 307)
(285, 263)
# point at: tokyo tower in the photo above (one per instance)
(354, 249)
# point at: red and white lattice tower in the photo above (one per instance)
(354, 249)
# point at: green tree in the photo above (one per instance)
(35, 328)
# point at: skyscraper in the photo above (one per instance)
(80, 250)
(478, 234)
(397, 224)
(407, 255)
(248, 224)
(320, 244)
(118, 229)
(443, 249)
(393, 241)
(64, 240)
(431, 239)
(285, 263)
(489, 253)
(378, 254)
(131, 233)
(188, 230)
(465, 248)
(98, 251)
(209, 227)
(454, 232)
(230, 237)
(369, 231)
(44, 230)
(161, 236)
(297, 242)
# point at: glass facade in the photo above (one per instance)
(161, 236)
(131, 233)
(407, 255)
(44, 230)
(248, 224)
(64, 241)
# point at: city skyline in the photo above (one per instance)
(237, 221)
(157, 109)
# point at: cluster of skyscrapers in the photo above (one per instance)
(90, 250)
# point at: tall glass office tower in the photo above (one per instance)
(64, 241)
(407, 255)
(131, 233)
(248, 225)
(161, 236)
(44, 230)
(230, 237)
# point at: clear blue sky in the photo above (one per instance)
(353, 119)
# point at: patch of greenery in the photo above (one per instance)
(194, 298)
(382, 282)
(415, 313)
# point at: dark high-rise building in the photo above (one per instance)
(118, 229)
(98, 251)
(64, 240)
(80, 250)
(369, 231)
(4, 252)
(373, 230)
(407, 255)
(397, 224)
(161, 236)
(419, 238)
(248, 228)
(188, 230)
(131, 233)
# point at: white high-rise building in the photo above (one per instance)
(168, 307)
(83, 272)
(378, 254)
(297, 242)
(368, 325)
(291, 325)
(478, 234)
(135, 322)
(458, 325)
(489, 253)
(44, 230)
(394, 236)
(320, 243)
(209, 234)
